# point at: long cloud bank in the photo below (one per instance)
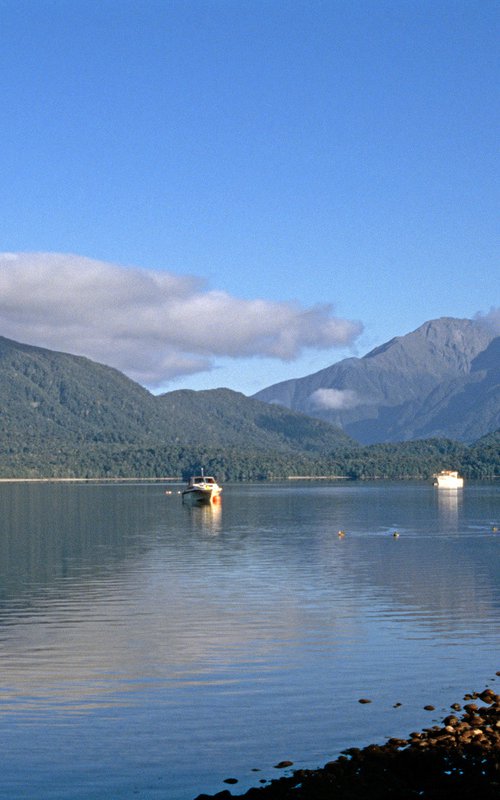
(152, 325)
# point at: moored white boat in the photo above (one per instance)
(201, 489)
(448, 479)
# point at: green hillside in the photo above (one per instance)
(66, 416)
(223, 418)
(48, 396)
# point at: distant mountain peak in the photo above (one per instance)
(387, 394)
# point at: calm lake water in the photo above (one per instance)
(148, 649)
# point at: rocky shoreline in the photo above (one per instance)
(460, 758)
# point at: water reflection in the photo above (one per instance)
(205, 517)
(49, 533)
(248, 617)
(449, 504)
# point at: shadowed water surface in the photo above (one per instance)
(148, 649)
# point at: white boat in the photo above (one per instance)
(201, 489)
(448, 479)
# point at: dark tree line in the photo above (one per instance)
(405, 460)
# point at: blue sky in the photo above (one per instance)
(231, 193)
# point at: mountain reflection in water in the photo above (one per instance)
(149, 646)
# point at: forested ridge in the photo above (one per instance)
(65, 416)
(406, 460)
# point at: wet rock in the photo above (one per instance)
(397, 742)
(429, 708)
(283, 764)
(351, 751)
(459, 758)
(230, 780)
(364, 700)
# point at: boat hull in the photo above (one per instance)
(201, 489)
(198, 496)
(448, 480)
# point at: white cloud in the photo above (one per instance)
(151, 324)
(491, 319)
(335, 399)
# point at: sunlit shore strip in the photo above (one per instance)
(170, 478)
(318, 477)
(162, 479)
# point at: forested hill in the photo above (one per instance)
(227, 418)
(55, 402)
(66, 416)
(50, 397)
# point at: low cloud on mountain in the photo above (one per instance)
(491, 319)
(335, 399)
(152, 325)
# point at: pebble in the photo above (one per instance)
(416, 766)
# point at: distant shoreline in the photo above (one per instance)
(174, 479)
(319, 478)
(180, 479)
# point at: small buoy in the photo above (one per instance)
(396, 535)
(341, 534)
(494, 529)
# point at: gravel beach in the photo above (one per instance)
(460, 758)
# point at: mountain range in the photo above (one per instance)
(50, 400)
(441, 380)
(67, 415)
